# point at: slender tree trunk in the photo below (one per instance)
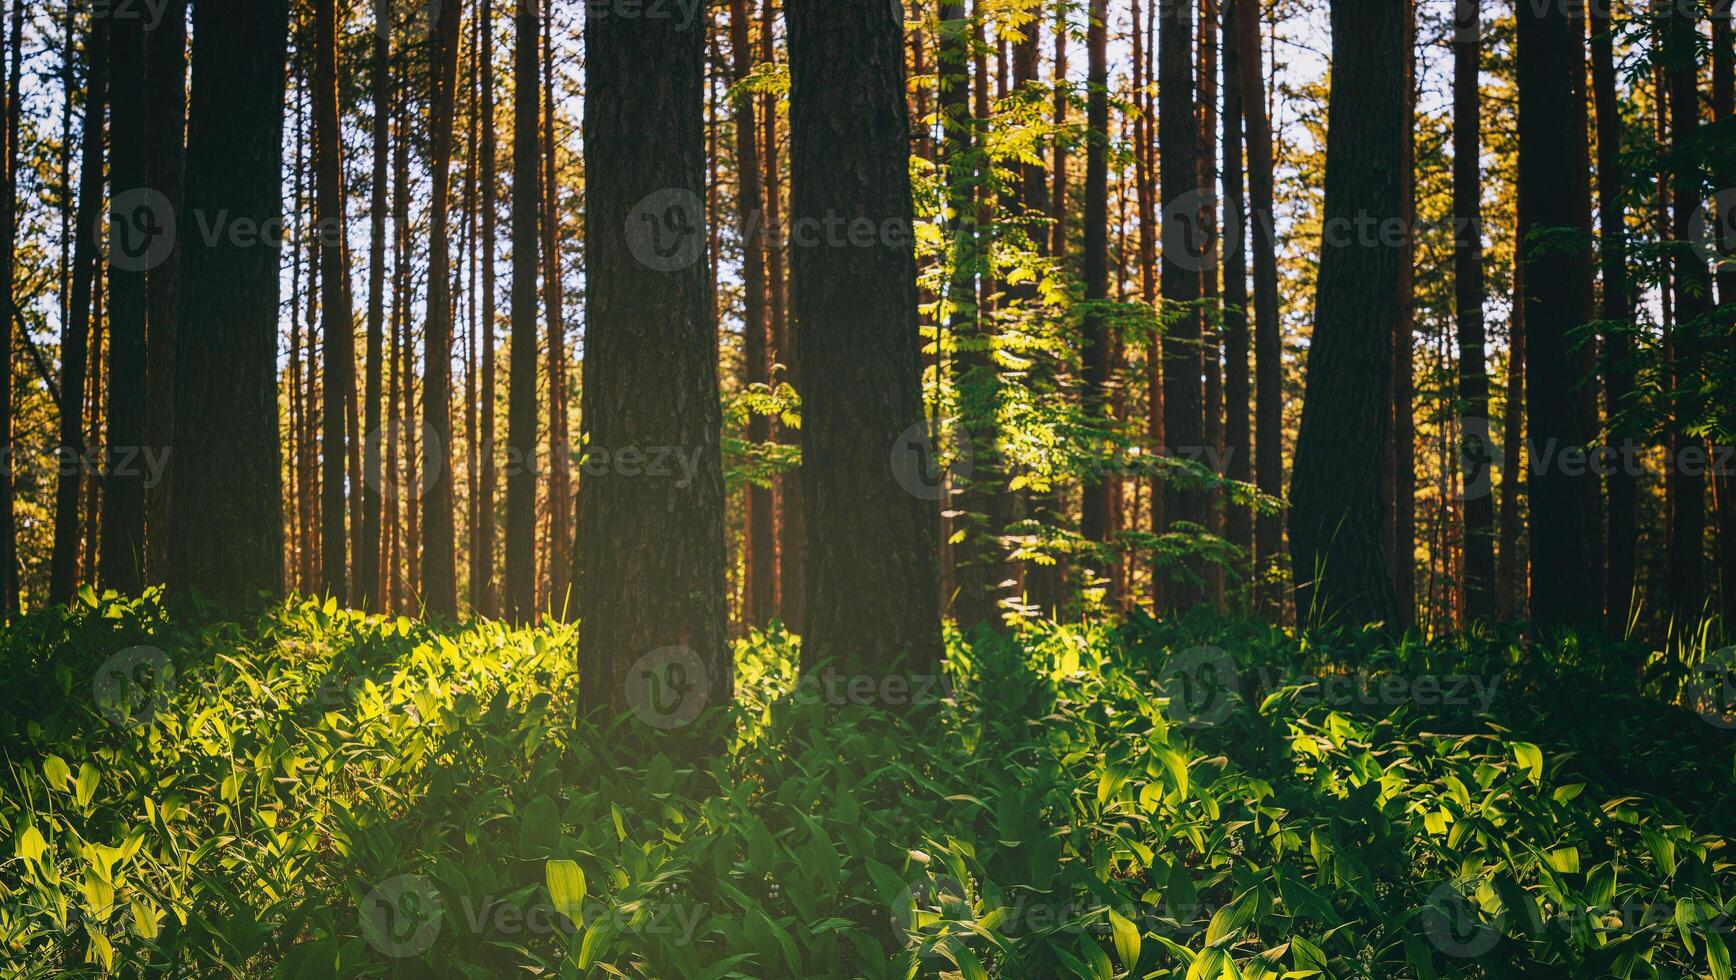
(983, 495)
(792, 523)
(1619, 381)
(1268, 338)
(1096, 511)
(336, 328)
(226, 532)
(1184, 258)
(1510, 576)
(1238, 405)
(1338, 514)
(94, 413)
(1058, 198)
(472, 439)
(761, 591)
(1724, 110)
(860, 348)
(649, 565)
(166, 115)
(1693, 287)
(1404, 453)
(131, 237)
(439, 537)
(1476, 447)
(1148, 279)
(1211, 298)
(1554, 195)
(9, 311)
(560, 448)
(488, 486)
(368, 556)
(522, 395)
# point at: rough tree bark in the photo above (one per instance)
(482, 576)
(856, 313)
(520, 582)
(1476, 449)
(226, 517)
(1338, 514)
(166, 115)
(367, 569)
(439, 536)
(336, 329)
(1617, 311)
(649, 565)
(1184, 256)
(1238, 443)
(134, 227)
(1095, 522)
(1554, 197)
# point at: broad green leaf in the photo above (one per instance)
(566, 884)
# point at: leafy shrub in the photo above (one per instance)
(323, 793)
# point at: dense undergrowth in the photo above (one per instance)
(327, 794)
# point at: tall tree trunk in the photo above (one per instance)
(860, 348)
(368, 557)
(983, 495)
(166, 114)
(649, 564)
(761, 591)
(1058, 198)
(1403, 464)
(439, 536)
(792, 523)
(1693, 286)
(1238, 441)
(336, 328)
(1724, 111)
(1148, 280)
(1268, 338)
(1095, 521)
(1338, 515)
(226, 517)
(1553, 196)
(560, 445)
(1510, 577)
(9, 311)
(1211, 305)
(1184, 257)
(131, 237)
(1619, 380)
(472, 178)
(483, 571)
(1476, 447)
(520, 606)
